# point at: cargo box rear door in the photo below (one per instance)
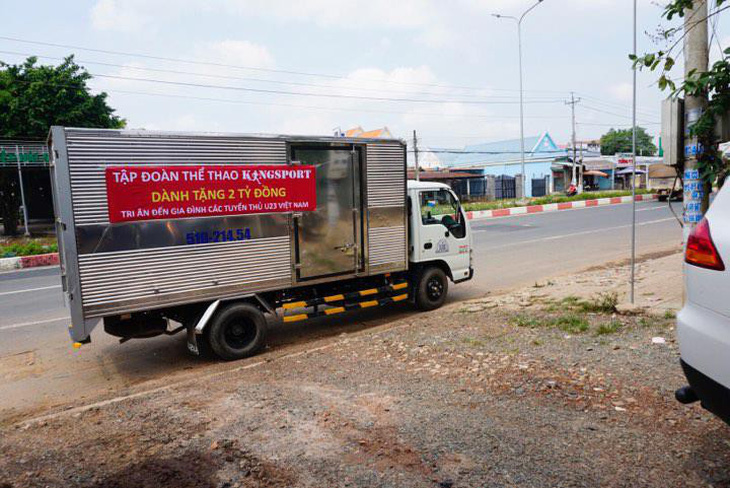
(329, 238)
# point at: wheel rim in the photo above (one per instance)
(239, 333)
(434, 288)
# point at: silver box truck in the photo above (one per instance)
(220, 232)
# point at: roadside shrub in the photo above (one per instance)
(526, 321)
(604, 302)
(608, 328)
(575, 324)
(30, 248)
(557, 198)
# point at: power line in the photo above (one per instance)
(287, 105)
(252, 68)
(463, 151)
(609, 113)
(615, 105)
(239, 78)
(306, 94)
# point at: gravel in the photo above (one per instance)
(459, 397)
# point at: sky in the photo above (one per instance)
(448, 70)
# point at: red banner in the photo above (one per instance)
(175, 192)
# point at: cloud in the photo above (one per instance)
(239, 53)
(621, 91)
(113, 15)
(403, 13)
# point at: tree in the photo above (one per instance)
(715, 83)
(620, 141)
(35, 97)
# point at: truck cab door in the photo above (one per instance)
(444, 233)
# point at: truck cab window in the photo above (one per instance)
(439, 207)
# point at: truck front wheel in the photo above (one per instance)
(237, 331)
(431, 289)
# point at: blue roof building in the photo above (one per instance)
(503, 158)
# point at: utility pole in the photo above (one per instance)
(573, 180)
(22, 193)
(522, 110)
(633, 175)
(415, 154)
(696, 58)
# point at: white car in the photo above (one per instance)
(703, 325)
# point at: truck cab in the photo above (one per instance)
(440, 244)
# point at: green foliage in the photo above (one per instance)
(574, 324)
(556, 198)
(35, 97)
(620, 141)
(609, 328)
(715, 84)
(30, 248)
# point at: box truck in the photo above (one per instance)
(216, 234)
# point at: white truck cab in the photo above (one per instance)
(440, 243)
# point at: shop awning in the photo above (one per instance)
(629, 170)
(595, 172)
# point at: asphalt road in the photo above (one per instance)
(40, 370)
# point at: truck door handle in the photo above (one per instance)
(428, 245)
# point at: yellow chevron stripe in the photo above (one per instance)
(295, 318)
(331, 311)
(372, 303)
(371, 291)
(334, 298)
(400, 297)
(400, 286)
(292, 305)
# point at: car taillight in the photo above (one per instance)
(701, 251)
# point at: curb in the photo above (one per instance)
(554, 207)
(22, 262)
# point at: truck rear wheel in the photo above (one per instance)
(431, 289)
(237, 331)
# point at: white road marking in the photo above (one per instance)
(573, 234)
(658, 207)
(30, 289)
(37, 322)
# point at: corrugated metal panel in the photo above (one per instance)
(109, 280)
(90, 152)
(386, 174)
(387, 245)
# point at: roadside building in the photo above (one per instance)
(382, 133)
(31, 159)
(502, 159)
(466, 185)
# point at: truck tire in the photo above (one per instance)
(431, 289)
(238, 330)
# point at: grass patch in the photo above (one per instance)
(670, 315)
(27, 248)
(574, 324)
(608, 328)
(470, 341)
(604, 302)
(526, 321)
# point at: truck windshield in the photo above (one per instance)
(439, 207)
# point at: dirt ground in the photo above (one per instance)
(545, 386)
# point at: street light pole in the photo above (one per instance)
(522, 108)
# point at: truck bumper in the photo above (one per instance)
(713, 396)
(471, 275)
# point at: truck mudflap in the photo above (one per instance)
(384, 295)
